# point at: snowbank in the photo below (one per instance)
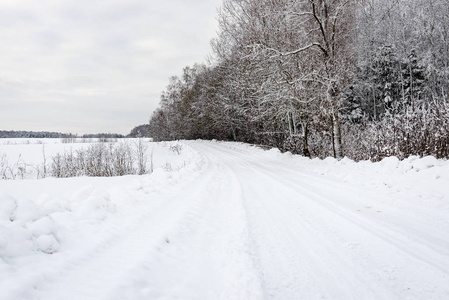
(49, 215)
(414, 174)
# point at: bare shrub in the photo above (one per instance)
(102, 160)
(418, 130)
(176, 148)
(122, 160)
(4, 167)
(17, 170)
(141, 150)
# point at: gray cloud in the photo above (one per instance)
(95, 66)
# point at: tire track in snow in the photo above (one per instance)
(415, 256)
(382, 268)
(298, 261)
(410, 227)
(207, 254)
(411, 238)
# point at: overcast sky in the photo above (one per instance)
(89, 66)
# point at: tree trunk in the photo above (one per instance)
(335, 122)
(305, 142)
(338, 151)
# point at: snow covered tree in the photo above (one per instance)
(319, 77)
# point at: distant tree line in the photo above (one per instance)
(364, 79)
(29, 134)
(46, 134)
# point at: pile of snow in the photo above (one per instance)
(412, 176)
(26, 226)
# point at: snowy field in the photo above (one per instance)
(225, 221)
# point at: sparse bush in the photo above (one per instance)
(418, 130)
(18, 170)
(141, 150)
(4, 166)
(176, 148)
(102, 160)
(168, 167)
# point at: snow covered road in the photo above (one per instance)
(315, 238)
(244, 223)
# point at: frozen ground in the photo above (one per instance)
(230, 221)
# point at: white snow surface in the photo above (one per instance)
(229, 221)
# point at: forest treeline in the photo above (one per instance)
(29, 134)
(54, 135)
(136, 132)
(364, 79)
